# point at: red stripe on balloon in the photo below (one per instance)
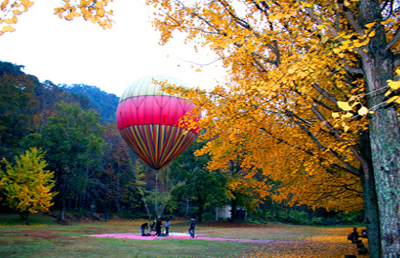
(153, 109)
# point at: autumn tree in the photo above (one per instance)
(305, 101)
(27, 184)
(280, 55)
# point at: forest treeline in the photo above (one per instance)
(95, 171)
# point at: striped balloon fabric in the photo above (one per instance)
(149, 121)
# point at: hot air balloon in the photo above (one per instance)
(149, 121)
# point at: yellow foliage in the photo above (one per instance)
(27, 185)
(294, 105)
(9, 12)
(93, 10)
(330, 243)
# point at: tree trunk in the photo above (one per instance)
(201, 210)
(233, 208)
(62, 213)
(187, 206)
(370, 199)
(378, 67)
(27, 218)
(22, 216)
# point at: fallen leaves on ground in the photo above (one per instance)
(331, 245)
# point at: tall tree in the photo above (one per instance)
(279, 56)
(196, 185)
(27, 184)
(73, 141)
(118, 177)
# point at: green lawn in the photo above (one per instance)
(45, 238)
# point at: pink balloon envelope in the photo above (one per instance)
(149, 121)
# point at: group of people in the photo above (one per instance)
(157, 225)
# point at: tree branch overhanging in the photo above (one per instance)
(394, 40)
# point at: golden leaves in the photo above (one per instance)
(344, 105)
(7, 28)
(394, 86)
(263, 118)
(9, 12)
(91, 10)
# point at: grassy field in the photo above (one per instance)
(46, 238)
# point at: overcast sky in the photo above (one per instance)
(73, 52)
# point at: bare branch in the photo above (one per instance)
(337, 135)
(352, 169)
(332, 30)
(260, 65)
(350, 17)
(394, 40)
(325, 93)
(280, 140)
(396, 60)
(323, 104)
(351, 69)
(255, 55)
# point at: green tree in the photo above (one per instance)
(73, 143)
(155, 187)
(27, 184)
(104, 103)
(197, 186)
(117, 174)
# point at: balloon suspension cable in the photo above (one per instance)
(155, 208)
(195, 174)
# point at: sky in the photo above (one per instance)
(79, 52)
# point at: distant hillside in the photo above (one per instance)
(104, 103)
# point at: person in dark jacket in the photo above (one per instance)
(191, 227)
(158, 227)
(353, 236)
(143, 227)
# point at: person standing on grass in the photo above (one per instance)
(192, 226)
(143, 227)
(167, 224)
(158, 227)
(354, 236)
